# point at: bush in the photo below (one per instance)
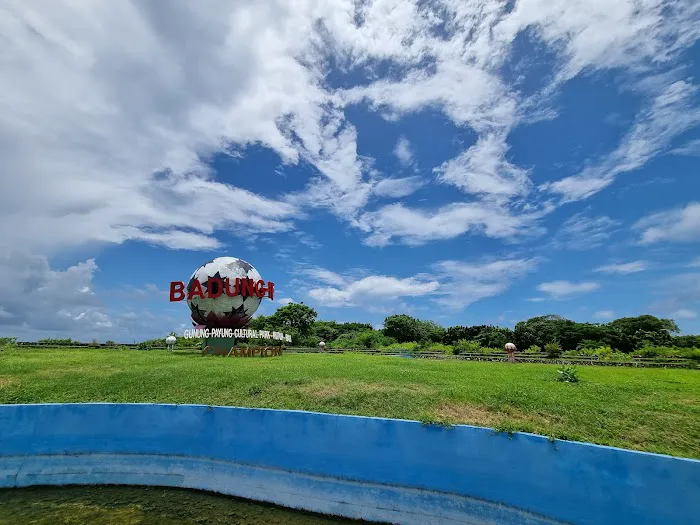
(464, 346)
(406, 347)
(553, 349)
(6, 342)
(604, 353)
(568, 374)
(439, 347)
(533, 349)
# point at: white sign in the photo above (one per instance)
(242, 333)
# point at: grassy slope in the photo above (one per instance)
(656, 410)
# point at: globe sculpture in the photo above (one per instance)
(170, 342)
(223, 311)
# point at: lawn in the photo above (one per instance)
(656, 410)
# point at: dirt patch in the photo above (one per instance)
(467, 414)
(61, 372)
(7, 381)
(464, 413)
(325, 390)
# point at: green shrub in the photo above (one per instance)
(604, 353)
(7, 342)
(553, 349)
(691, 353)
(464, 346)
(533, 349)
(620, 356)
(587, 344)
(568, 374)
(394, 347)
(571, 354)
(439, 347)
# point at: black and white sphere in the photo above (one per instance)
(223, 311)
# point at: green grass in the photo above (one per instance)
(656, 410)
(143, 506)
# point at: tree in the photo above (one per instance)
(494, 337)
(646, 323)
(293, 316)
(406, 329)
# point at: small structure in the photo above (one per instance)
(170, 342)
(321, 346)
(510, 348)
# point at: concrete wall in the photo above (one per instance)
(370, 468)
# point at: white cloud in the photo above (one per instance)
(324, 276)
(372, 289)
(122, 160)
(451, 284)
(465, 283)
(220, 77)
(691, 148)
(679, 225)
(695, 263)
(403, 152)
(584, 233)
(566, 289)
(484, 170)
(671, 112)
(679, 293)
(398, 187)
(604, 314)
(684, 313)
(284, 301)
(35, 296)
(416, 227)
(623, 268)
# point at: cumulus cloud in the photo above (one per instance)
(370, 289)
(678, 225)
(468, 282)
(398, 187)
(484, 170)
(416, 227)
(623, 268)
(123, 160)
(403, 152)
(452, 284)
(566, 289)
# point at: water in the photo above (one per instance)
(143, 506)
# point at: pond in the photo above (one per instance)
(112, 505)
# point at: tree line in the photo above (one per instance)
(624, 335)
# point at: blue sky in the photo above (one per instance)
(466, 163)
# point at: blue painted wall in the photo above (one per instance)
(391, 470)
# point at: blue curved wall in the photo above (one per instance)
(370, 468)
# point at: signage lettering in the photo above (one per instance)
(217, 286)
(234, 351)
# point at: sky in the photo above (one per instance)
(467, 162)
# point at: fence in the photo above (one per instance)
(635, 361)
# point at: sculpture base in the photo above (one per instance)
(226, 346)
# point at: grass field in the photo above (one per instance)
(656, 410)
(144, 506)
